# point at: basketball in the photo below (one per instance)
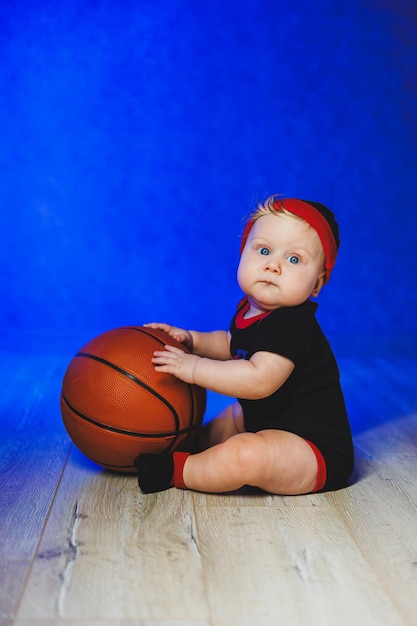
(115, 405)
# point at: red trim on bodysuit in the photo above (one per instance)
(322, 469)
(242, 322)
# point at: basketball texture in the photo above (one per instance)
(115, 405)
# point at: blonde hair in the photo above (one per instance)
(274, 205)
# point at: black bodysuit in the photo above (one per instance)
(310, 403)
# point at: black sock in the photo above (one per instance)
(155, 471)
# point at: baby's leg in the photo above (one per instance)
(228, 423)
(273, 460)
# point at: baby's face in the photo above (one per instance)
(282, 263)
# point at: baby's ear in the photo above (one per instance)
(319, 284)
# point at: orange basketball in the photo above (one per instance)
(115, 405)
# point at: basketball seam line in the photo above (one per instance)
(144, 331)
(141, 329)
(129, 433)
(137, 381)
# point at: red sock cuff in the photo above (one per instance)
(179, 462)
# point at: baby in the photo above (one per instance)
(288, 433)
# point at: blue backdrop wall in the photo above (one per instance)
(136, 135)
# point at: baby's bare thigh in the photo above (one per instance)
(226, 424)
(287, 464)
(238, 417)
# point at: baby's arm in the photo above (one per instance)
(257, 378)
(214, 345)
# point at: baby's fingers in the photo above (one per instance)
(173, 350)
(160, 358)
(158, 326)
(170, 355)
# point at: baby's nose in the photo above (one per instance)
(273, 266)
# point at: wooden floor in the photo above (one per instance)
(80, 546)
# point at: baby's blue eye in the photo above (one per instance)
(293, 259)
(264, 251)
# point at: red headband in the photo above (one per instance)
(311, 215)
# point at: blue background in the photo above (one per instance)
(136, 136)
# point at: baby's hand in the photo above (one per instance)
(181, 335)
(174, 361)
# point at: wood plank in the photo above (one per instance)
(109, 552)
(252, 497)
(27, 490)
(392, 449)
(33, 450)
(289, 565)
(381, 518)
(12, 581)
(106, 622)
(393, 446)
